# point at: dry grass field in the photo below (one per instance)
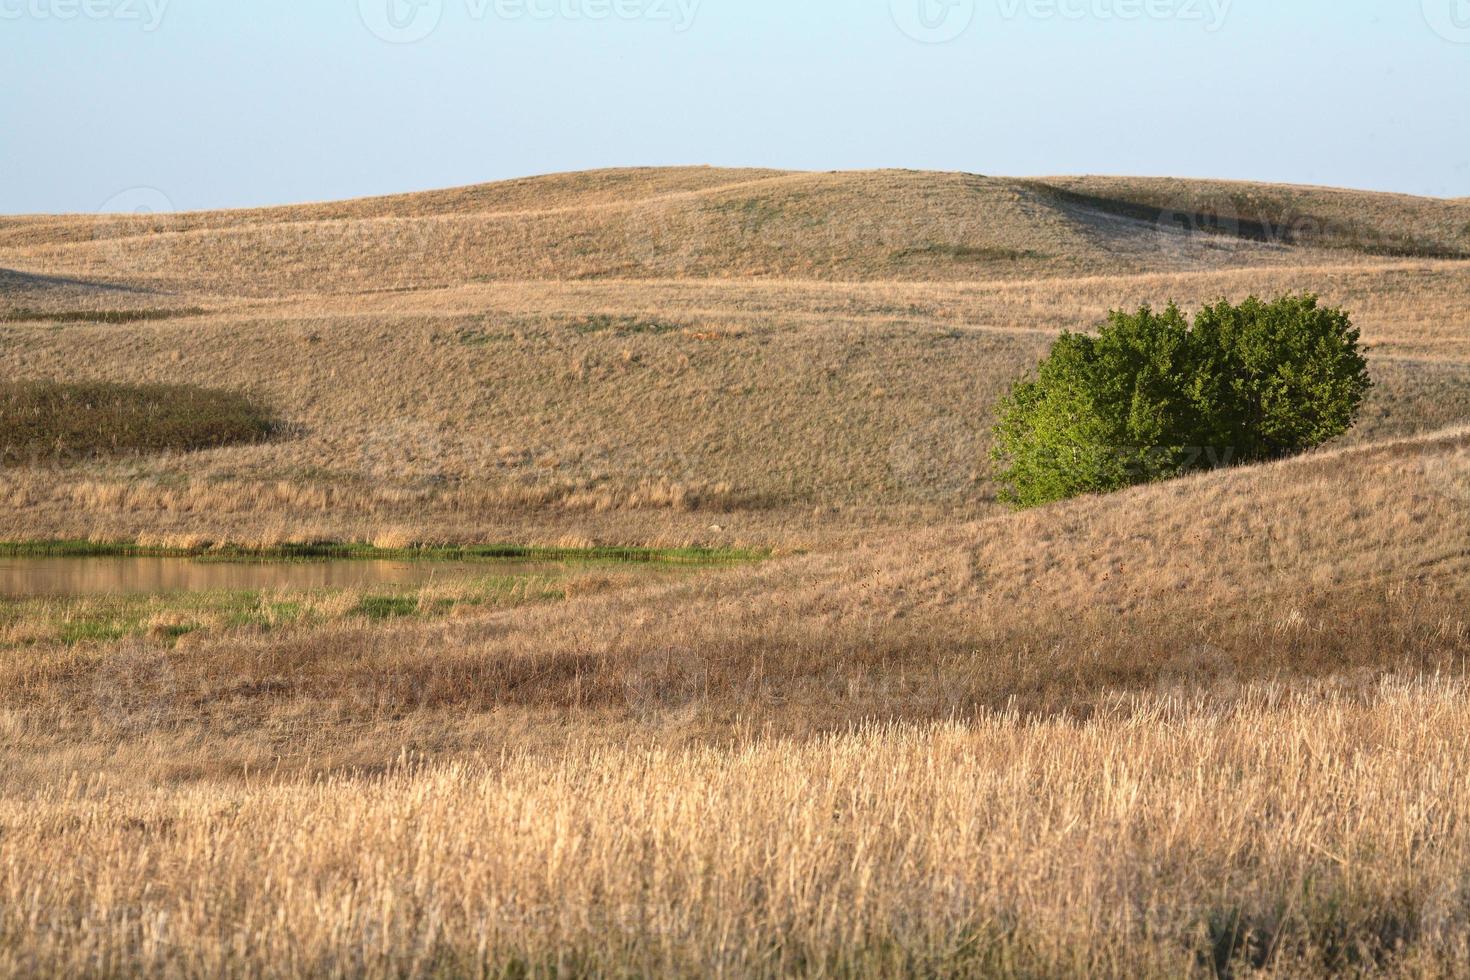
(1213, 726)
(1294, 833)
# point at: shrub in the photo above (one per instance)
(1152, 396)
(47, 421)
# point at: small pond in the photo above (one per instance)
(67, 577)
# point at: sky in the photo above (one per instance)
(121, 105)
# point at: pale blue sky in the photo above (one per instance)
(207, 103)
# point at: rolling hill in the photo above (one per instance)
(765, 410)
(1211, 722)
(695, 355)
(708, 223)
(787, 360)
(1340, 568)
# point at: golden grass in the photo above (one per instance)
(1205, 727)
(778, 413)
(1349, 564)
(875, 225)
(1306, 834)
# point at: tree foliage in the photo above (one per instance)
(1153, 396)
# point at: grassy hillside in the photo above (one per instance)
(741, 397)
(771, 413)
(702, 223)
(1348, 565)
(1205, 726)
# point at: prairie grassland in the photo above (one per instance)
(775, 414)
(1300, 833)
(1349, 565)
(1210, 726)
(878, 225)
(881, 225)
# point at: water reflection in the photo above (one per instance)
(55, 577)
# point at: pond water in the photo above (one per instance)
(61, 577)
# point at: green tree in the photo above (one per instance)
(1152, 396)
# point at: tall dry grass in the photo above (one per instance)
(1348, 565)
(1161, 733)
(1301, 834)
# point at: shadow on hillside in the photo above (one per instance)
(1248, 218)
(14, 280)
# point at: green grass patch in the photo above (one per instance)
(91, 631)
(387, 606)
(382, 607)
(166, 617)
(55, 422)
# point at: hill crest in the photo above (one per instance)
(699, 223)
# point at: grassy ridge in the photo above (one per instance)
(694, 223)
(1385, 225)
